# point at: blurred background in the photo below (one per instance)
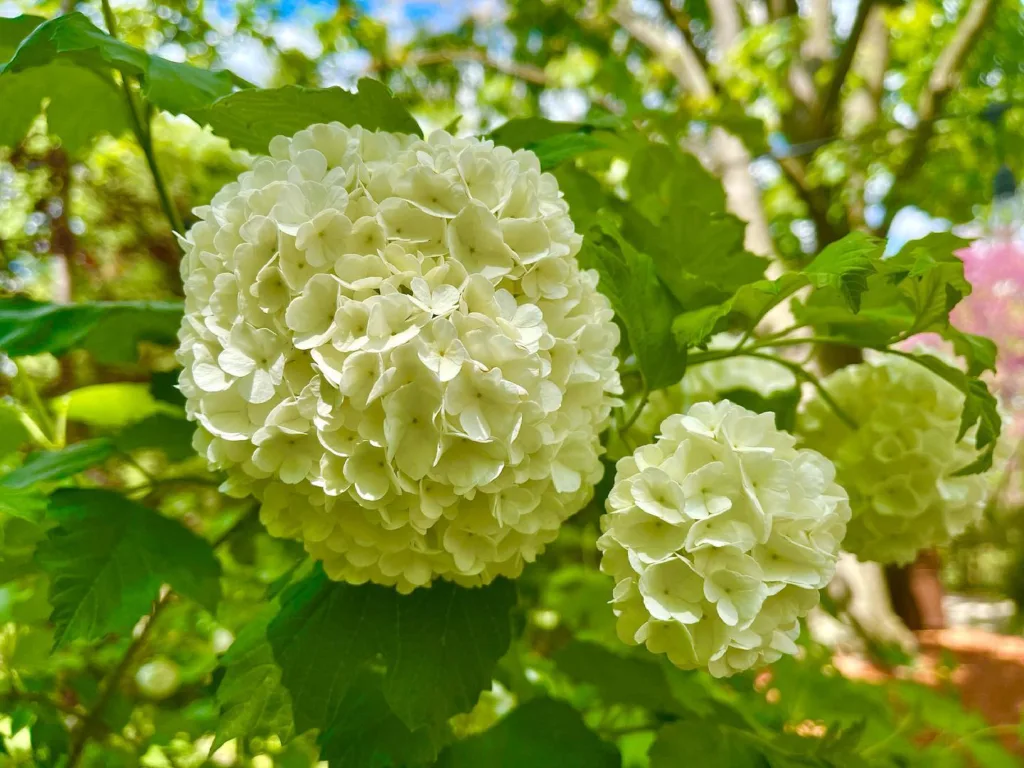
(820, 117)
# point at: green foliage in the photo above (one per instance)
(640, 301)
(704, 741)
(73, 38)
(108, 558)
(49, 466)
(64, 86)
(439, 647)
(252, 700)
(542, 733)
(251, 118)
(110, 331)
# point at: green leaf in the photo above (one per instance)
(172, 435)
(13, 433)
(751, 303)
(15, 29)
(64, 87)
(553, 142)
(526, 132)
(701, 742)
(112, 405)
(583, 193)
(366, 732)
(697, 326)
(439, 646)
(26, 503)
(541, 733)
(662, 178)
(110, 330)
(249, 119)
(108, 557)
(640, 300)
(618, 679)
(48, 466)
(252, 700)
(680, 247)
(845, 265)
(931, 278)
(979, 352)
(72, 38)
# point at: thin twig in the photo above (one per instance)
(94, 719)
(835, 85)
(636, 413)
(41, 698)
(940, 84)
(143, 134)
(809, 377)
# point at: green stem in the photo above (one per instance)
(636, 413)
(45, 425)
(809, 377)
(992, 730)
(94, 720)
(143, 134)
(903, 727)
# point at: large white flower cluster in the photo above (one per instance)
(390, 343)
(898, 465)
(719, 536)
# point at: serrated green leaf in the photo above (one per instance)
(618, 679)
(641, 302)
(366, 732)
(72, 38)
(979, 352)
(249, 119)
(439, 646)
(750, 303)
(108, 557)
(846, 265)
(49, 466)
(541, 733)
(701, 742)
(110, 331)
(697, 326)
(662, 178)
(699, 254)
(252, 700)
(171, 434)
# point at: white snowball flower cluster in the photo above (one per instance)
(719, 536)
(898, 465)
(390, 343)
(710, 381)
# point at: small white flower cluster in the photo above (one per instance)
(390, 343)
(898, 464)
(719, 536)
(710, 381)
